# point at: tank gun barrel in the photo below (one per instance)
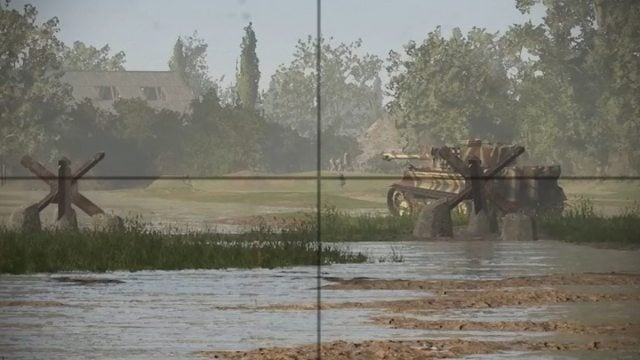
(388, 156)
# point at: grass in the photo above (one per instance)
(459, 218)
(341, 226)
(394, 257)
(336, 225)
(291, 243)
(135, 249)
(581, 223)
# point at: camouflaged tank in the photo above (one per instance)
(525, 187)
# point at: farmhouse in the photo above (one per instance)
(161, 89)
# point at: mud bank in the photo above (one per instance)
(30, 303)
(461, 300)
(569, 327)
(410, 350)
(442, 297)
(525, 281)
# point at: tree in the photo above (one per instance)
(350, 100)
(33, 100)
(189, 59)
(586, 52)
(221, 138)
(248, 76)
(617, 55)
(92, 130)
(81, 57)
(452, 89)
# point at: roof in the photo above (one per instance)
(382, 135)
(161, 89)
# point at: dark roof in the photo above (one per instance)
(164, 89)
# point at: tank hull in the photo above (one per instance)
(522, 187)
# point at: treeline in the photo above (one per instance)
(225, 130)
(212, 139)
(567, 89)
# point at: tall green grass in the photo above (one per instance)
(342, 226)
(138, 248)
(135, 249)
(581, 223)
(336, 225)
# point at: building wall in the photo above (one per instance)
(161, 89)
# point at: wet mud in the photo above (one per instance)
(462, 300)
(441, 297)
(587, 279)
(86, 280)
(410, 350)
(569, 327)
(30, 303)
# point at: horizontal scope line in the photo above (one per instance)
(324, 177)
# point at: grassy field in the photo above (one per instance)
(356, 193)
(603, 193)
(288, 199)
(609, 192)
(293, 243)
(285, 192)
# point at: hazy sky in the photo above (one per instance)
(146, 30)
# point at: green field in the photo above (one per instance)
(357, 192)
(620, 193)
(287, 192)
(230, 201)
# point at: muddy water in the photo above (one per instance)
(156, 314)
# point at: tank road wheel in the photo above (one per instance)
(398, 203)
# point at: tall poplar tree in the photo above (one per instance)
(248, 75)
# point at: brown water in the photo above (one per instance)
(159, 314)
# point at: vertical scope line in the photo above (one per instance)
(319, 176)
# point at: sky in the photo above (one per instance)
(146, 30)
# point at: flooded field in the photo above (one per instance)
(214, 180)
(185, 314)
